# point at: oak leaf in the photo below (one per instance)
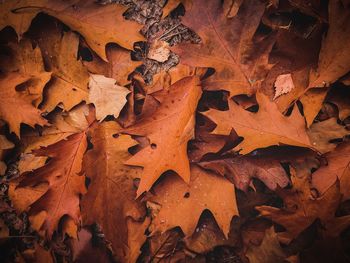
(227, 45)
(269, 251)
(116, 204)
(118, 67)
(301, 208)
(334, 58)
(337, 168)
(312, 102)
(241, 170)
(98, 24)
(69, 83)
(182, 204)
(168, 129)
(262, 129)
(108, 97)
(66, 183)
(321, 133)
(28, 61)
(5, 144)
(15, 106)
(20, 22)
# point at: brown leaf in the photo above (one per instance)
(20, 22)
(312, 102)
(119, 67)
(334, 59)
(337, 167)
(182, 204)
(321, 133)
(262, 129)
(227, 45)
(98, 24)
(301, 208)
(108, 97)
(168, 129)
(112, 207)
(68, 86)
(283, 84)
(66, 184)
(269, 251)
(5, 144)
(242, 169)
(16, 107)
(28, 62)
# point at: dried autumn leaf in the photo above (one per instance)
(301, 209)
(337, 167)
(242, 169)
(283, 84)
(340, 97)
(269, 251)
(111, 207)
(321, 133)
(168, 129)
(15, 106)
(262, 129)
(119, 67)
(4, 145)
(182, 204)
(66, 183)
(227, 45)
(20, 22)
(334, 58)
(108, 97)
(28, 61)
(312, 102)
(69, 77)
(98, 24)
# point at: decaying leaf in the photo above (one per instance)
(5, 144)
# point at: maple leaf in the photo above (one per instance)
(168, 129)
(66, 183)
(262, 129)
(269, 251)
(112, 207)
(242, 169)
(178, 200)
(118, 67)
(301, 209)
(334, 58)
(98, 24)
(15, 108)
(69, 83)
(108, 97)
(227, 45)
(321, 133)
(337, 168)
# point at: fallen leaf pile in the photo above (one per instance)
(239, 153)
